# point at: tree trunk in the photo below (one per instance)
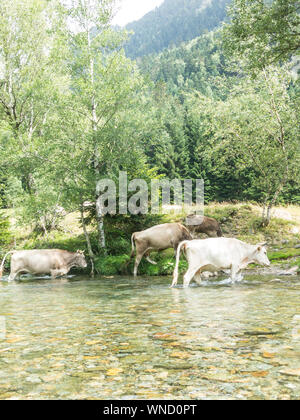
(267, 215)
(100, 224)
(94, 118)
(88, 242)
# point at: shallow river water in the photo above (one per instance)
(125, 338)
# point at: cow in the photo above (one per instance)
(56, 262)
(203, 224)
(159, 237)
(215, 254)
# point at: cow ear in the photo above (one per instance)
(263, 244)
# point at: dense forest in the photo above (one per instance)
(173, 22)
(74, 108)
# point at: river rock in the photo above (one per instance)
(291, 272)
(33, 379)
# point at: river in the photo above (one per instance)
(126, 338)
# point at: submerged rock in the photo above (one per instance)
(291, 272)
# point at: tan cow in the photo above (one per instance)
(158, 238)
(56, 262)
(202, 224)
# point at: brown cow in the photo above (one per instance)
(160, 237)
(56, 262)
(203, 224)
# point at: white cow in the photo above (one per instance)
(215, 254)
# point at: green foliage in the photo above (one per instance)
(195, 65)
(111, 265)
(74, 109)
(175, 21)
(283, 254)
(119, 229)
(254, 129)
(262, 31)
(118, 264)
(5, 234)
(58, 240)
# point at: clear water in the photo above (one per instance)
(125, 338)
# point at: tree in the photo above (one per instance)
(173, 22)
(70, 108)
(257, 125)
(264, 31)
(32, 79)
(104, 82)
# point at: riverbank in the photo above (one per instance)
(239, 220)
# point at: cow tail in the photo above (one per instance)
(175, 273)
(3, 262)
(132, 250)
(132, 245)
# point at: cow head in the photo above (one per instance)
(260, 255)
(80, 259)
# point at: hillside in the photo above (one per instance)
(173, 22)
(194, 65)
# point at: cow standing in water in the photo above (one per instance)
(202, 224)
(215, 254)
(56, 262)
(158, 238)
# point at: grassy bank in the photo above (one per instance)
(241, 220)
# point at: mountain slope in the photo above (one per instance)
(173, 22)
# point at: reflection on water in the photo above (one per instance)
(126, 338)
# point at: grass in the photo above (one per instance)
(241, 220)
(283, 254)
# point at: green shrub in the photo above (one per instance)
(111, 265)
(5, 234)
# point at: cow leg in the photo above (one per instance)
(197, 277)
(54, 273)
(174, 282)
(13, 275)
(147, 256)
(139, 256)
(141, 248)
(189, 275)
(137, 263)
(234, 271)
(15, 272)
(175, 246)
(58, 273)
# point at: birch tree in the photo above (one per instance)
(104, 81)
(32, 79)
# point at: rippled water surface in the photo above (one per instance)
(125, 338)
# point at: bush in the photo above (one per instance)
(114, 265)
(111, 265)
(5, 235)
